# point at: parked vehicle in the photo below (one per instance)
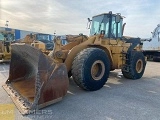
(151, 47)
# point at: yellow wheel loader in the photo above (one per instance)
(6, 39)
(39, 40)
(37, 80)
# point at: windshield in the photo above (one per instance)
(107, 23)
(99, 23)
(1, 37)
(42, 37)
(116, 26)
(8, 36)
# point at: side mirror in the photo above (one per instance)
(123, 28)
(118, 18)
(89, 19)
(89, 23)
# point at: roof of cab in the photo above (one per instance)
(107, 14)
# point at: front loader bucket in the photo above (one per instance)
(35, 81)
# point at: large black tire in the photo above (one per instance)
(136, 65)
(90, 69)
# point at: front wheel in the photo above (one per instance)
(135, 65)
(90, 69)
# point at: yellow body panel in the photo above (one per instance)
(4, 54)
(39, 45)
(113, 48)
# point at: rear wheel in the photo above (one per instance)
(90, 69)
(135, 65)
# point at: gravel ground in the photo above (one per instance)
(119, 99)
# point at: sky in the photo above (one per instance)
(70, 16)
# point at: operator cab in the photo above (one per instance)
(8, 37)
(45, 38)
(1, 37)
(108, 24)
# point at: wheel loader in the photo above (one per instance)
(37, 80)
(6, 39)
(39, 40)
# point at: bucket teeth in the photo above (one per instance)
(35, 81)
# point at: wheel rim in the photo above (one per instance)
(97, 70)
(139, 66)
